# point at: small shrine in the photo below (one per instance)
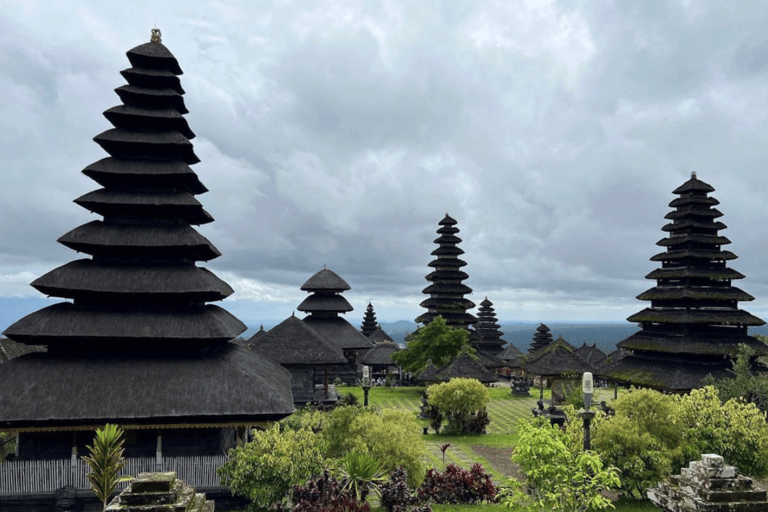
(693, 326)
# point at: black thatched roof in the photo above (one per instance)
(379, 336)
(228, 385)
(556, 359)
(446, 290)
(590, 354)
(380, 355)
(465, 366)
(668, 374)
(511, 355)
(339, 332)
(488, 360)
(293, 342)
(325, 302)
(325, 281)
(428, 374)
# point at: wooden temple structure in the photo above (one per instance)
(323, 306)
(135, 340)
(541, 338)
(693, 326)
(489, 337)
(446, 290)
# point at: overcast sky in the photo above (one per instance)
(340, 133)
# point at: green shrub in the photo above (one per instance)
(458, 400)
(264, 469)
(392, 436)
(556, 478)
(645, 439)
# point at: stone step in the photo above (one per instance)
(153, 482)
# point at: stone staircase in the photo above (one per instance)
(160, 492)
(709, 485)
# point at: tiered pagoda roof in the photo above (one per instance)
(488, 333)
(446, 291)
(369, 321)
(541, 339)
(323, 307)
(693, 326)
(135, 314)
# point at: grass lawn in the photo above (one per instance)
(492, 450)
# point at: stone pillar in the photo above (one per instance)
(159, 453)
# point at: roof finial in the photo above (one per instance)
(156, 36)
(693, 174)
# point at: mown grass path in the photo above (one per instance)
(504, 411)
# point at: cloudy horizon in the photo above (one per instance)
(339, 133)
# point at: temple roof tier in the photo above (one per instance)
(97, 281)
(228, 385)
(150, 145)
(141, 203)
(152, 79)
(325, 302)
(724, 292)
(325, 281)
(693, 239)
(696, 316)
(69, 326)
(99, 238)
(718, 273)
(704, 254)
(129, 118)
(112, 171)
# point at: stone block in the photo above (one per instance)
(153, 482)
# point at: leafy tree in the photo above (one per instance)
(106, 461)
(436, 341)
(264, 469)
(391, 436)
(556, 478)
(734, 429)
(457, 400)
(749, 386)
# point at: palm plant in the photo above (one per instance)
(106, 461)
(360, 473)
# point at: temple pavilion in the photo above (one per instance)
(323, 306)
(446, 290)
(372, 330)
(693, 326)
(135, 340)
